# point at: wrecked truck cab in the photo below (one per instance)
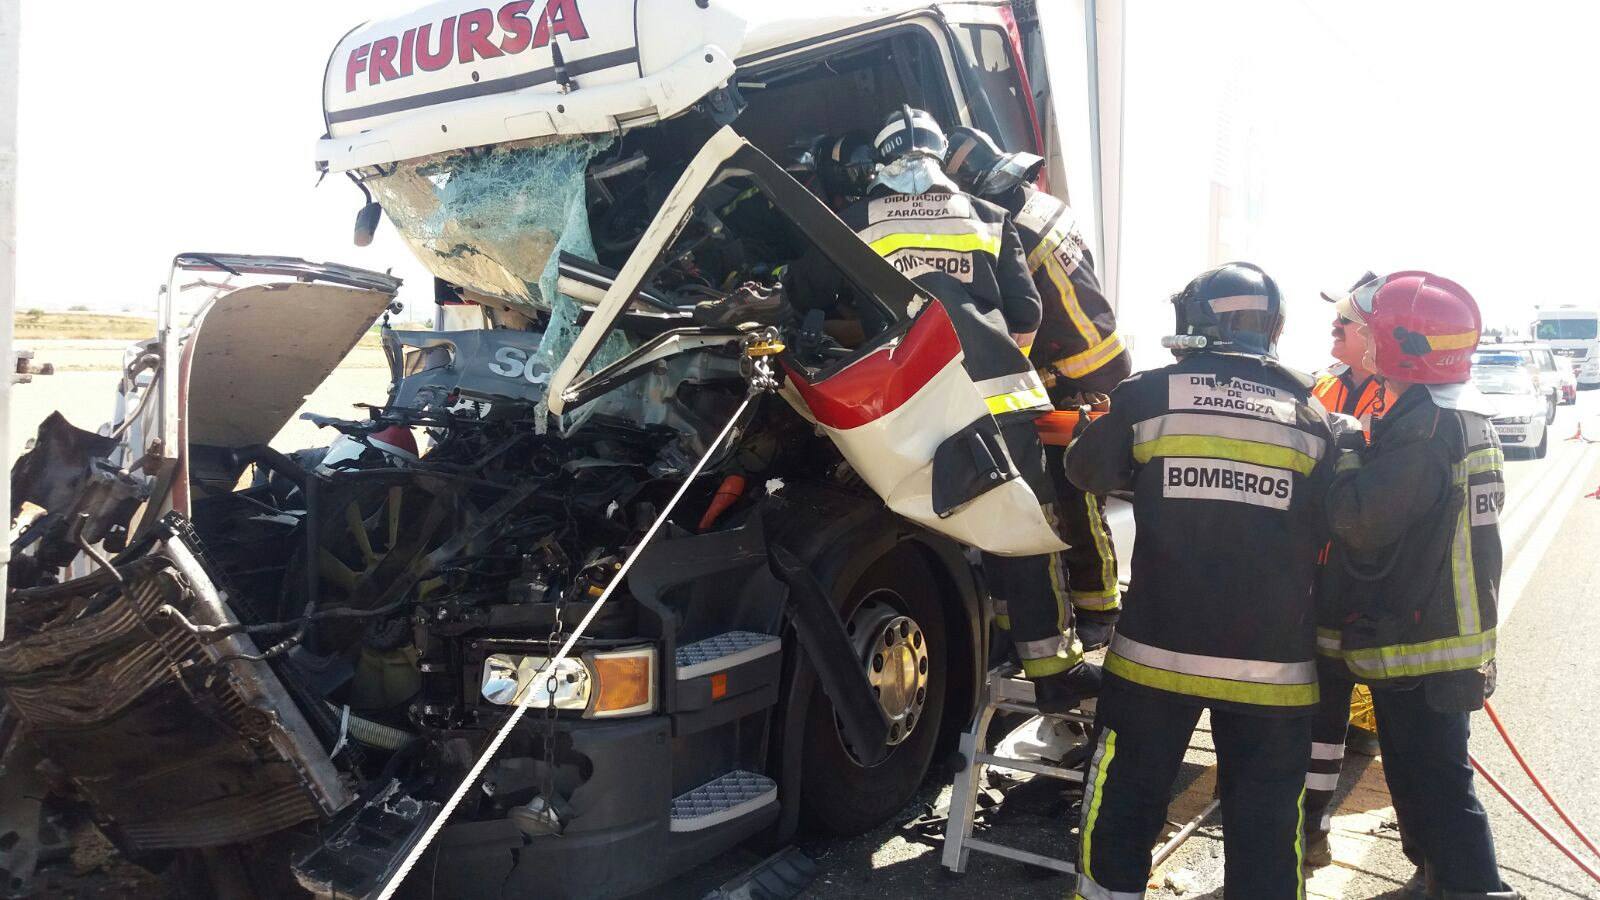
(569, 168)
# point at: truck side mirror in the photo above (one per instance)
(367, 223)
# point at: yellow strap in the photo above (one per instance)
(969, 242)
(1209, 447)
(1254, 693)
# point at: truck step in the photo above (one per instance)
(723, 799)
(721, 652)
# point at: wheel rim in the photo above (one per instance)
(894, 654)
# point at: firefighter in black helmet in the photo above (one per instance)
(965, 251)
(1228, 458)
(1078, 353)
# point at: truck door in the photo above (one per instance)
(903, 405)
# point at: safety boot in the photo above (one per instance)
(1362, 741)
(1062, 691)
(750, 302)
(1505, 893)
(1316, 852)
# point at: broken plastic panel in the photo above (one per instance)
(496, 219)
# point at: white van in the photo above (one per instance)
(1575, 334)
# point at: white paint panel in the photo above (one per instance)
(894, 455)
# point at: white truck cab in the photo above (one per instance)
(1573, 332)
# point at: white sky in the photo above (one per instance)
(1452, 136)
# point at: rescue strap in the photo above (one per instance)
(551, 665)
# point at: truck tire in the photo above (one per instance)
(1544, 445)
(838, 795)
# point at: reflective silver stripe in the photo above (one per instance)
(1229, 427)
(955, 224)
(1327, 751)
(1240, 303)
(1327, 820)
(1041, 649)
(1000, 608)
(1008, 384)
(1329, 640)
(1259, 671)
(1088, 889)
(1322, 781)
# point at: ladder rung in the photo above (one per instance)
(1029, 710)
(1022, 856)
(1006, 762)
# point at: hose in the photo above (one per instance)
(1543, 829)
(1517, 754)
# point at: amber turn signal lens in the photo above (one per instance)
(625, 682)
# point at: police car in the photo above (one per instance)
(1520, 407)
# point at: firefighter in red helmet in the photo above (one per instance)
(1414, 570)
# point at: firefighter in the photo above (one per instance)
(1228, 456)
(1415, 569)
(966, 252)
(1346, 387)
(1077, 352)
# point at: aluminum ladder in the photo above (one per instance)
(1004, 689)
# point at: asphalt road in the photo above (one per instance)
(1549, 675)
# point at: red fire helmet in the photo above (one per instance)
(1424, 328)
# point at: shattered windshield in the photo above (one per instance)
(495, 221)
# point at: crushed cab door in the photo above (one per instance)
(932, 411)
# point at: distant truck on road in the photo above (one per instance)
(1575, 334)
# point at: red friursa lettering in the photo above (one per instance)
(479, 34)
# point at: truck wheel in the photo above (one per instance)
(894, 617)
(1544, 445)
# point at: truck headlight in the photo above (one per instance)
(601, 684)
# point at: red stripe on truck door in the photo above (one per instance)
(880, 382)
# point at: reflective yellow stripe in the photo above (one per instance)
(1098, 767)
(1003, 621)
(1250, 692)
(1458, 341)
(1224, 448)
(744, 195)
(1066, 291)
(1108, 556)
(959, 243)
(1463, 576)
(1299, 848)
(1452, 654)
(1097, 601)
(1048, 665)
(1478, 462)
(1018, 401)
(1090, 360)
(1330, 643)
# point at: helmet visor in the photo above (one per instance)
(1357, 304)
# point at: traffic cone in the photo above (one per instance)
(1578, 435)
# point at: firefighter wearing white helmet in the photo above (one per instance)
(1227, 455)
(1078, 352)
(966, 252)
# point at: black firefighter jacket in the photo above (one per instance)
(1077, 347)
(1227, 458)
(1414, 575)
